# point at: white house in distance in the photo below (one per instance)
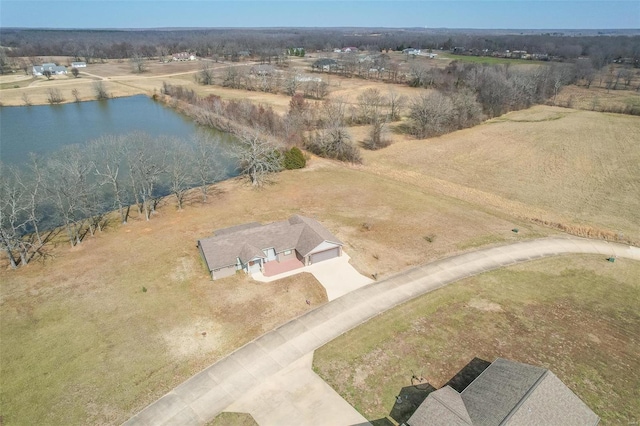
(78, 64)
(411, 51)
(51, 67)
(184, 56)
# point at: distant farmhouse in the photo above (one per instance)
(411, 51)
(184, 56)
(296, 51)
(324, 64)
(51, 67)
(506, 393)
(78, 64)
(269, 249)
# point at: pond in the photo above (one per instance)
(44, 129)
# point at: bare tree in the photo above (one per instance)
(205, 76)
(68, 186)
(207, 168)
(334, 112)
(47, 74)
(393, 71)
(395, 103)
(75, 71)
(100, 90)
(467, 109)
(418, 74)
(431, 114)
(315, 89)
(108, 156)
(560, 78)
(231, 78)
(54, 96)
(162, 51)
(291, 83)
(585, 71)
(147, 161)
(179, 169)
(26, 99)
(33, 187)
(370, 102)
(76, 95)
(138, 63)
(256, 157)
(334, 141)
(377, 138)
(13, 219)
(626, 75)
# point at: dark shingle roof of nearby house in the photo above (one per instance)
(443, 407)
(247, 241)
(506, 393)
(498, 389)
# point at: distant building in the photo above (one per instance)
(51, 67)
(411, 51)
(184, 56)
(78, 64)
(350, 49)
(324, 64)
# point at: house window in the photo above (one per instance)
(287, 252)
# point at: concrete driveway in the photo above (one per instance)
(297, 396)
(213, 390)
(336, 275)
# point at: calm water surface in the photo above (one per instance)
(45, 128)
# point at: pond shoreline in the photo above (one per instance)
(41, 129)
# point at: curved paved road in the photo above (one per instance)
(209, 392)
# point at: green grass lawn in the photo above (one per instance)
(575, 315)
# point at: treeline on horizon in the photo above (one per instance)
(119, 44)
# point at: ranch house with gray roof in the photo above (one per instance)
(506, 393)
(269, 249)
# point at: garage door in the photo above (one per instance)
(325, 255)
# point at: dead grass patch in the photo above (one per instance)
(572, 170)
(598, 98)
(576, 315)
(82, 338)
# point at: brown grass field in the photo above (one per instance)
(83, 344)
(561, 165)
(575, 315)
(90, 347)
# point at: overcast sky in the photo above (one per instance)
(511, 14)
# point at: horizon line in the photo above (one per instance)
(313, 27)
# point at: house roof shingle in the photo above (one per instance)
(443, 407)
(506, 393)
(246, 242)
